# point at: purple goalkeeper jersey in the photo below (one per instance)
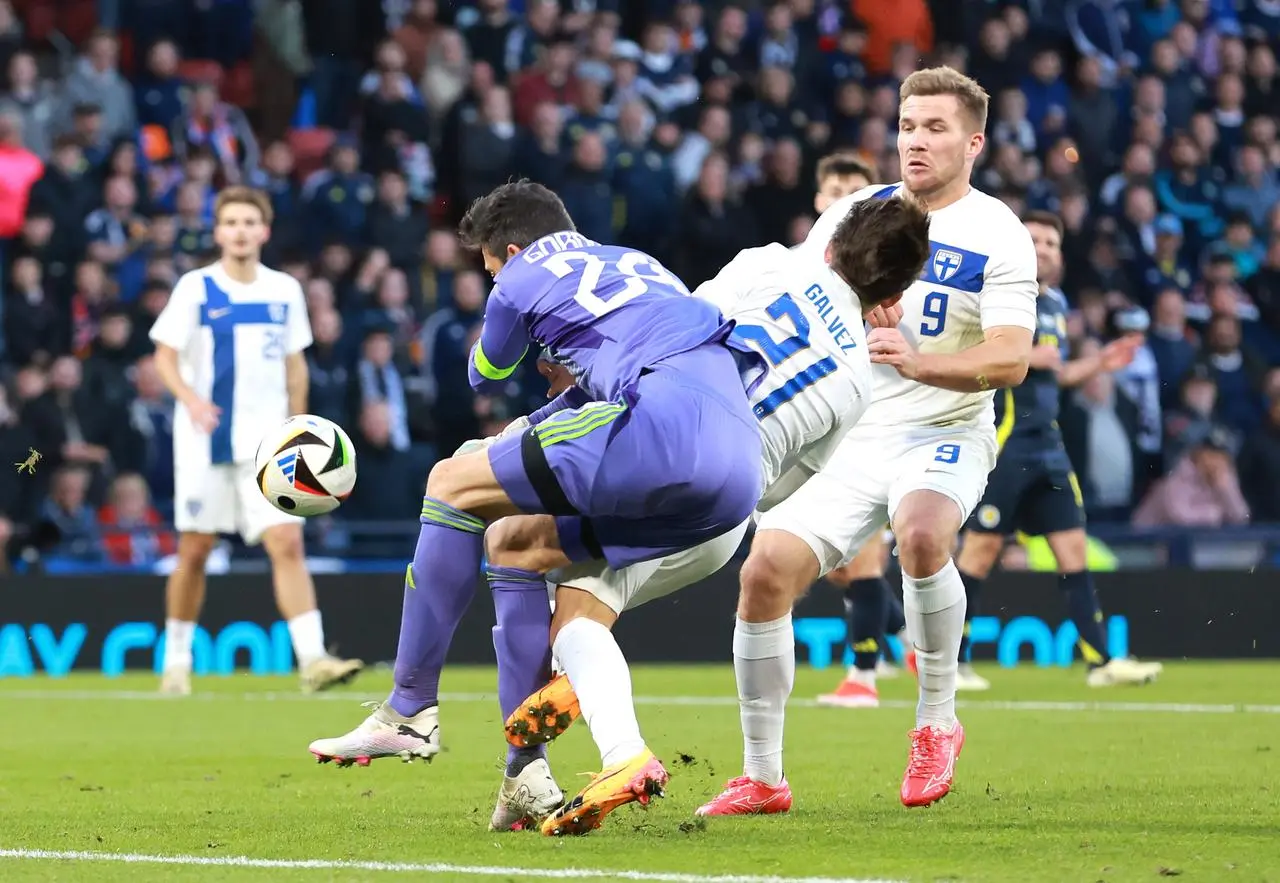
(604, 312)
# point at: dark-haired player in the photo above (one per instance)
(872, 610)
(964, 331)
(1033, 488)
(653, 451)
(797, 407)
(805, 316)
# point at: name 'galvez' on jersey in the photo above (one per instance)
(807, 324)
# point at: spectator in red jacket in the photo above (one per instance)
(19, 171)
(131, 528)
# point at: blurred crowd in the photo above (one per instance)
(689, 130)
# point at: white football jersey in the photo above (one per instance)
(232, 339)
(981, 274)
(807, 323)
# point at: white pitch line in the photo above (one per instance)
(241, 861)
(693, 701)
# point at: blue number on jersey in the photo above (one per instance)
(947, 454)
(273, 345)
(935, 310)
(778, 352)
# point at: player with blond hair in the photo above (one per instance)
(229, 347)
(965, 330)
(918, 458)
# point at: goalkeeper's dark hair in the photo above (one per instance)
(880, 247)
(518, 213)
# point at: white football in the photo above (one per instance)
(307, 466)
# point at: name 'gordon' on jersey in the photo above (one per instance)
(605, 313)
(981, 274)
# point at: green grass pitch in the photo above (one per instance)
(1057, 783)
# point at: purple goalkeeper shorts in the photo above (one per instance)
(633, 482)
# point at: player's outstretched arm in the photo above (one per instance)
(503, 342)
(1111, 357)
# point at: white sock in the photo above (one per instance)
(178, 635)
(934, 608)
(307, 633)
(764, 661)
(595, 666)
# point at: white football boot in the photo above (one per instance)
(1124, 670)
(969, 680)
(525, 800)
(328, 671)
(176, 681)
(384, 733)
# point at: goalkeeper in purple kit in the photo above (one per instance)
(655, 450)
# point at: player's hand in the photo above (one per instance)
(888, 347)
(1119, 353)
(558, 377)
(205, 415)
(885, 316)
(1045, 357)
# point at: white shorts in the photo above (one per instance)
(645, 581)
(838, 510)
(213, 499)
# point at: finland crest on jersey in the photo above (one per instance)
(981, 274)
(232, 339)
(946, 263)
(807, 324)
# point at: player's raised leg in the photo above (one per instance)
(549, 711)
(594, 666)
(925, 524)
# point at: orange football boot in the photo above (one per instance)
(639, 779)
(545, 715)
